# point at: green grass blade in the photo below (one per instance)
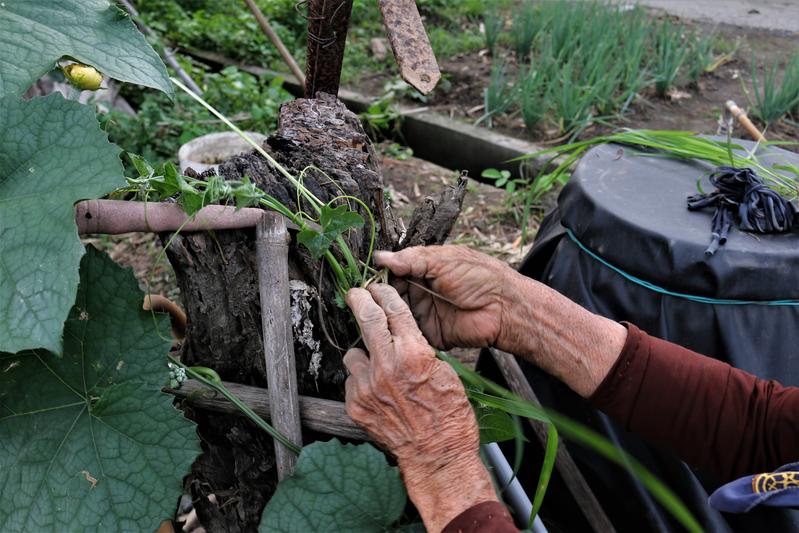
(550, 454)
(499, 397)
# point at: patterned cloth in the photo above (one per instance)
(774, 489)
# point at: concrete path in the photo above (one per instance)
(782, 15)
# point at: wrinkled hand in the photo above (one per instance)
(415, 406)
(475, 291)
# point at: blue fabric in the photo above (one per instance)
(738, 497)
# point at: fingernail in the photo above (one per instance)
(381, 256)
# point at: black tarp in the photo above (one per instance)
(629, 210)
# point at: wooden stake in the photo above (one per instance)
(275, 38)
(564, 463)
(272, 249)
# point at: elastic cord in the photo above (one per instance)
(661, 290)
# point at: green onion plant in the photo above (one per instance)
(526, 25)
(670, 51)
(493, 22)
(592, 59)
(772, 97)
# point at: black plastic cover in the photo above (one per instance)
(630, 208)
(631, 211)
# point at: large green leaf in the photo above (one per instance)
(337, 487)
(52, 154)
(88, 442)
(34, 34)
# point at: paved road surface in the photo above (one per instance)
(771, 14)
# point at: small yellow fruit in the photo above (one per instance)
(83, 76)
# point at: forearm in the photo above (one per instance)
(557, 335)
(711, 415)
(442, 492)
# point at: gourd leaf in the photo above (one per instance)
(52, 154)
(88, 442)
(35, 34)
(337, 487)
(333, 221)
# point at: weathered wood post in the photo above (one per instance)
(272, 253)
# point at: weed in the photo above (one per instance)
(775, 98)
(395, 151)
(162, 125)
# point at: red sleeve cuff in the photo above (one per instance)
(623, 381)
(485, 517)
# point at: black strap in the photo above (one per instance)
(742, 196)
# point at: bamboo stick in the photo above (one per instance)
(113, 217)
(275, 38)
(272, 253)
(740, 115)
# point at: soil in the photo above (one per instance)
(695, 108)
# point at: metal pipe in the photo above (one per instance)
(513, 490)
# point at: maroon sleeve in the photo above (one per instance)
(715, 417)
(486, 517)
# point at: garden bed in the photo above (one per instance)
(694, 107)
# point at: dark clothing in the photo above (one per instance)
(713, 416)
(486, 517)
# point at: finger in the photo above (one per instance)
(416, 261)
(400, 320)
(371, 319)
(356, 361)
(356, 393)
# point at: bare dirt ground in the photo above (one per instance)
(485, 224)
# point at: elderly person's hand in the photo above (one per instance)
(476, 292)
(478, 301)
(415, 406)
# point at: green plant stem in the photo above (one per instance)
(312, 199)
(372, 237)
(211, 379)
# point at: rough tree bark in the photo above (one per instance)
(320, 139)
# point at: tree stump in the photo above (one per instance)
(323, 142)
